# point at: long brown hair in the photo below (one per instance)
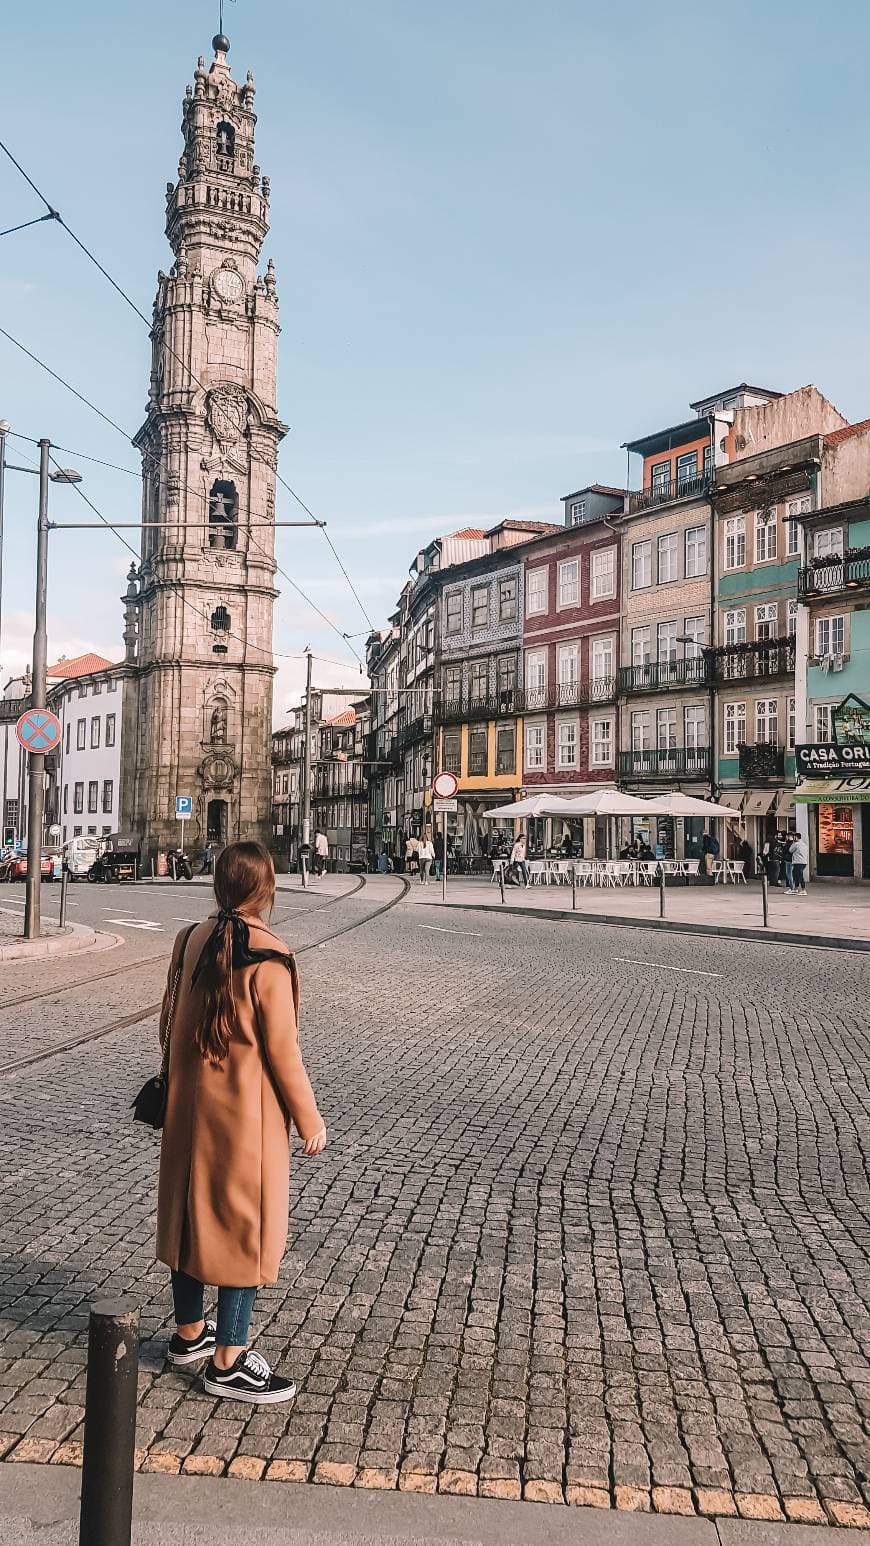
(244, 877)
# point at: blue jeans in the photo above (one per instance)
(789, 875)
(234, 1308)
(800, 877)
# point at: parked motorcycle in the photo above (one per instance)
(179, 864)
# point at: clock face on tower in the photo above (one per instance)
(228, 284)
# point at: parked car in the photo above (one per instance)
(79, 854)
(14, 867)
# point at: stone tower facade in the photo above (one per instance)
(199, 613)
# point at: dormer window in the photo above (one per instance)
(223, 511)
(226, 141)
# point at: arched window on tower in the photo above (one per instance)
(220, 619)
(223, 513)
(226, 144)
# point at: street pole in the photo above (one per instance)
(444, 856)
(662, 891)
(4, 431)
(306, 770)
(765, 898)
(36, 760)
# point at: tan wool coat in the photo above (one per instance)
(223, 1199)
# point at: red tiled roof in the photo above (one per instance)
(80, 665)
(346, 717)
(510, 525)
(846, 433)
(469, 533)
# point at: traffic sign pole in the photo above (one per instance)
(36, 760)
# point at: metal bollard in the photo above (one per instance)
(106, 1516)
(501, 881)
(662, 907)
(64, 887)
(174, 875)
(765, 898)
(303, 861)
(573, 888)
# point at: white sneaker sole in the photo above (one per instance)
(178, 1360)
(250, 1397)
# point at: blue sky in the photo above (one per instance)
(507, 236)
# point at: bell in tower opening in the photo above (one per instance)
(210, 450)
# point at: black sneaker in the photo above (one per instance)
(183, 1351)
(248, 1379)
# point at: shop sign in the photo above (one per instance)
(829, 757)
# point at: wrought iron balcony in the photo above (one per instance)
(664, 673)
(532, 700)
(745, 662)
(666, 762)
(827, 576)
(675, 488)
(761, 763)
(415, 730)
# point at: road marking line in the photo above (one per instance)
(188, 920)
(657, 965)
(136, 923)
(435, 929)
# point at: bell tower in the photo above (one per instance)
(209, 449)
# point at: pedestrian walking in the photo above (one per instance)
(426, 857)
(439, 854)
(412, 855)
(799, 854)
(787, 867)
(771, 859)
(321, 852)
(519, 864)
(710, 851)
(236, 1082)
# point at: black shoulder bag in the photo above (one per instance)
(150, 1104)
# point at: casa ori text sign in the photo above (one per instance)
(827, 758)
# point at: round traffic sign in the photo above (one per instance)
(445, 785)
(38, 730)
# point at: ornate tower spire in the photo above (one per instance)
(209, 448)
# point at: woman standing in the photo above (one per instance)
(236, 1081)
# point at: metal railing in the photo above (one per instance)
(760, 762)
(532, 700)
(675, 488)
(762, 658)
(664, 673)
(679, 761)
(835, 574)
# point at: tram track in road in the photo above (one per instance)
(146, 1011)
(160, 955)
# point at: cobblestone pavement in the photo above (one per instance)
(592, 1226)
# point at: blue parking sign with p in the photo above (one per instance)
(183, 806)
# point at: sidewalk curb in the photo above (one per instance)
(75, 939)
(675, 926)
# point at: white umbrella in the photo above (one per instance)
(534, 805)
(610, 802)
(688, 805)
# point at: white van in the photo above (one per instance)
(80, 853)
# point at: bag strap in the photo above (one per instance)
(173, 993)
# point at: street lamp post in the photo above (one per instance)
(36, 760)
(5, 427)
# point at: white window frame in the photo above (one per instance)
(568, 664)
(794, 508)
(599, 742)
(452, 597)
(734, 556)
(695, 739)
(642, 635)
(476, 590)
(669, 637)
(536, 671)
(767, 721)
(578, 511)
(791, 723)
(695, 551)
(602, 648)
(823, 729)
(765, 537)
(694, 628)
(567, 746)
(642, 550)
(791, 618)
(568, 590)
(536, 593)
(735, 727)
(668, 544)
(826, 630)
(766, 613)
(641, 722)
(666, 719)
(828, 542)
(535, 745)
(735, 624)
(602, 569)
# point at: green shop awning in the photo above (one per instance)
(833, 791)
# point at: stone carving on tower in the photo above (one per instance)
(209, 445)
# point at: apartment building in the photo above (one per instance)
(341, 801)
(288, 744)
(83, 794)
(571, 652)
(385, 767)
